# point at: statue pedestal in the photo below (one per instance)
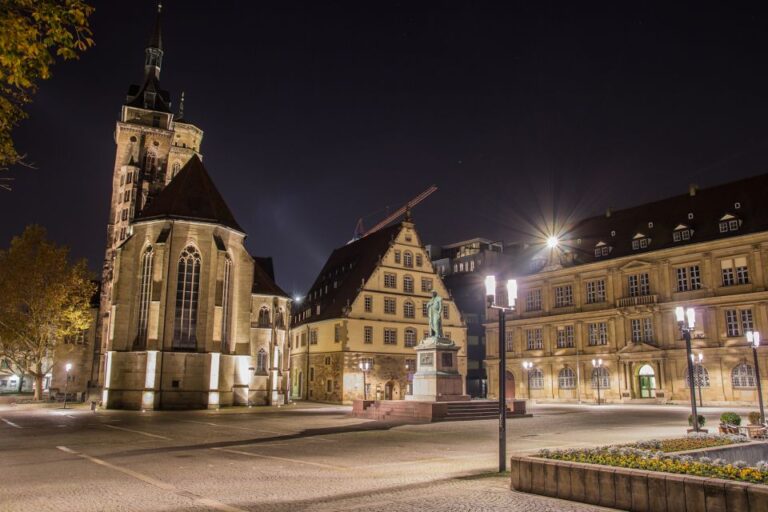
(437, 377)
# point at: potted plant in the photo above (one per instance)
(754, 418)
(702, 420)
(731, 418)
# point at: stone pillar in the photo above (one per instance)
(151, 372)
(213, 363)
(107, 378)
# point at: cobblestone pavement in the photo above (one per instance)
(302, 457)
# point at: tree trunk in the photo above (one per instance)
(38, 382)
(21, 382)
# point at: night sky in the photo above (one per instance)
(317, 113)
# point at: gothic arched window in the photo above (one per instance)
(150, 161)
(261, 361)
(226, 307)
(279, 319)
(176, 168)
(145, 295)
(264, 317)
(187, 296)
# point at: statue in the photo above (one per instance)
(435, 313)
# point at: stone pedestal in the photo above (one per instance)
(437, 377)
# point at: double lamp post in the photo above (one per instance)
(490, 295)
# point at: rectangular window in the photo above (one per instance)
(337, 333)
(397, 257)
(565, 337)
(508, 341)
(368, 334)
(127, 196)
(129, 179)
(426, 284)
(390, 336)
(303, 339)
(125, 213)
(563, 296)
(389, 306)
(746, 320)
(419, 260)
(408, 284)
(648, 329)
(688, 278)
(313, 337)
(642, 329)
(311, 374)
(732, 327)
(734, 271)
(424, 308)
(596, 291)
(445, 311)
(638, 285)
(598, 333)
(534, 339)
(368, 303)
(533, 300)
(637, 331)
(390, 280)
(328, 386)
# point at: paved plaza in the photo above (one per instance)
(298, 457)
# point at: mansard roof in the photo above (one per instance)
(264, 278)
(344, 274)
(191, 195)
(160, 98)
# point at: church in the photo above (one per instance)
(188, 318)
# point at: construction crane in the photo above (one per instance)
(360, 231)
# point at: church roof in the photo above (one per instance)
(344, 274)
(264, 278)
(156, 38)
(191, 195)
(149, 95)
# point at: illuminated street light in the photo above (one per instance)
(686, 320)
(699, 358)
(597, 364)
(553, 242)
(490, 297)
(753, 337)
(67, 367)
(527, 366)
(365, 365)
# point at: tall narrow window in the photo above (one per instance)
(261, 361)
(150, 160)
(187, 295)
(226, 307)
(145, 295)
(264, 317)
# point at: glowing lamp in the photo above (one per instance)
(553, 242)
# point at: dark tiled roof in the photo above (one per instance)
(162, 98)
(264, 278)
(701, 212)
(344, 273)
(191, 195)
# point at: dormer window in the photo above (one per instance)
(682, 233)
(729, 223)
(602, 249)
(640, 241)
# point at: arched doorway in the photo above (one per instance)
(510, 386)
(389, 388)
(647, 381)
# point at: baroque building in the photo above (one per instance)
(609, 292)
(368, 305)
(188, 318)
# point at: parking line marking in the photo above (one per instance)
(210, 503)
(11, 423)
(237, 427)
(284, 459)
(139, 432)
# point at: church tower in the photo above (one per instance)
(153, 144)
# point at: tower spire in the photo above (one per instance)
(154, 50)
(181, 106)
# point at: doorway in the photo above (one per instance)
(510, 386)
(647, 378)
(389, 390)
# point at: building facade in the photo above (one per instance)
(609, 291)
(368, 304)
(188, 318)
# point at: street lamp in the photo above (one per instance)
(597, 364)
(365, 365)
(527, 365)
(686, 320)
(553, 242)
(754, 339)
(490, 297)
(699, 373)
(67, 367)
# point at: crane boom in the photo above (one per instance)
(400, 211)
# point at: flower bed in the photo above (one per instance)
(654, 456)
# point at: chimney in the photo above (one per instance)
(608, 212)
(692, 188)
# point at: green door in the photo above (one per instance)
(647, 386)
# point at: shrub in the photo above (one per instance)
(754, 418)
(702, 420)
(731, 418)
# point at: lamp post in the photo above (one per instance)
(699, 373)
(365, 365)
(686, 320)
(754, 339)
(527, 365)
(597, 364)
(490, 296)
(67, 367)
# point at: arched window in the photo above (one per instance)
(743, 376)
(264, 317)
(700, 376)
(408, 259)
(261, 361)
(187, 296)
(279, 319)
(408, 284)
(410, 337)
(566, 379)
(145, 295)
(409, 310)
(226, 307)
(536, 378)
(176, 168)
(604, 375)
(150, 161)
